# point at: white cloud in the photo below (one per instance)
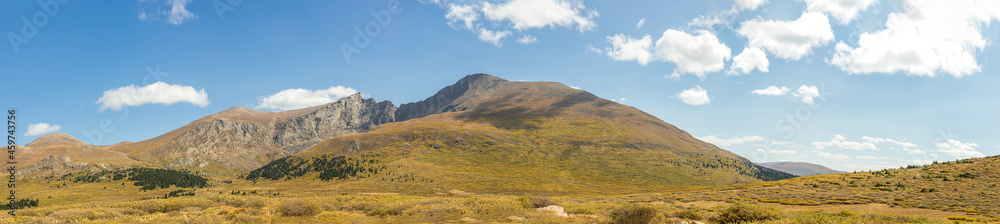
(462, 14)
(694, 96)
(624, 48)
(749, 4)
(959, 150)
(159, 92)
(522, 15)
(772, 91)
(142, 15)
(807, 94)
(840, 141)
(692, 54)
(901, 143)
(528, 14)
(914, 151)
(493, 37)
(574, 87)
(730, 141)
(748, 60)
(868, 157)
(527, 39)
(41, 128)
(781, 143)
(926, 38)
(788, 39)
(778, 152)
(843, 10)
(291, 99)
(178, 13)
(827, 155)
(707, 21)
(641, 22)
(592, 49)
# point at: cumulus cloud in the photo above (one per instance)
(843, 10)
(462, 16)
(692, 54)
(291, 99)
(730, 141)
(528, 14)
(748, 4)
(926, 38)
(178, 13)
(484, 17)
(158, 93)
(788, 39)
(840, 141)
(748, 60)
(527, 39)
(959, 150)
(624, 48)
(772, 91)
(694, 96)
(807, 94)
(493, 37)
(41, 128)
(901, 143)
(574, 87)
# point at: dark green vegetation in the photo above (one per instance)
(328, 167)
(147, 178)
(20, 204)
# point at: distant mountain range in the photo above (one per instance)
(799, 168)
(483, 133)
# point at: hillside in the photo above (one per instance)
(246, 139)
(487, 134)
(799, 168)
(968, 186)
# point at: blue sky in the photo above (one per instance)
(849, 91)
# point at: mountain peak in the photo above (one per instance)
(57, 138)
(451, 98)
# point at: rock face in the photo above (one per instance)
(247, 139)
(348, 116)
(457, 97)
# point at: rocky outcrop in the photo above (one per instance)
(246, 139)
(350, 115)
(457, 97)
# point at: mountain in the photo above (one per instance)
(246, 139)
(58, 153)
(799, 168)
(487, 134)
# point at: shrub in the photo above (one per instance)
(535, 201)
(298, 207)
(748, 212)
(632, 214)
(689, 214)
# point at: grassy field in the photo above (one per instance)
(301, 201)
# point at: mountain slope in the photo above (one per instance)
(799, 168)
(245, 139)
(487, 134)
(58, 153)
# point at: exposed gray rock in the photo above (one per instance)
(456, 97)
(349, 115)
